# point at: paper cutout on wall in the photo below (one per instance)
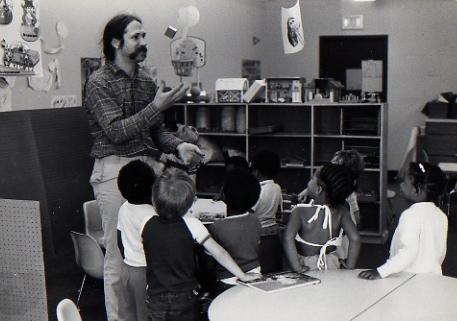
(353, 79)
(292, 29)
(20, 54)
(372, 76)
(30, 24)
(62, 33)
(6, 12)
(41, 83)
(54, 68)
(5, 95)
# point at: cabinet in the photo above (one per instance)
(305, 136)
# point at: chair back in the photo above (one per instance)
(93, 220)
(88, 254)
(67, 311)
(92, 216)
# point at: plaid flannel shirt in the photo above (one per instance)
(122, 116)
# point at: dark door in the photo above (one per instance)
(339, 53)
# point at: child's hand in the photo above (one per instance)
(344, 264)
(369, 275)
(250, 277)
(303, 195)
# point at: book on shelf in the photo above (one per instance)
(280, 281)
(254, 92)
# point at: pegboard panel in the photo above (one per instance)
(22, 278)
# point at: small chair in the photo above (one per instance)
(88, 256)
(67, 311)
(93, 221)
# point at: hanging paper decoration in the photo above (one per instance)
(20, 53)
(6, 12)
(292, 29)
(188, 17)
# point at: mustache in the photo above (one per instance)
(142, 49)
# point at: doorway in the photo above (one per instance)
(340, 58)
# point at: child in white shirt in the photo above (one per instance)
(135, 182)
(419, 241)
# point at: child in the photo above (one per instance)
(353, 161)
(265, 166)
(313, 231)
(419, 241)
(239, 233)
(135, 182)
(169, 243)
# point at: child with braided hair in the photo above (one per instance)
(314, 231)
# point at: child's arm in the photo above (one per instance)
(303, 195)
(224, 259)
(293, 226)
(354, 240)
(408, 232)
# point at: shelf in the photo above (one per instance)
(305, 136)
(337, 136)
(283, 135)
(221, 134)
(295, 166)
(215, 164)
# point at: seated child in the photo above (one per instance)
(419, 241)
(239, 233)
(265, 166)
(135, 182)
(353, 161)
(232, 162)
(169, 242)
(313, 231)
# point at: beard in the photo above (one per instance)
(139, 54)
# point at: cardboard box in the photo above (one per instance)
(436, 109)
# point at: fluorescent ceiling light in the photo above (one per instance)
(364, 0)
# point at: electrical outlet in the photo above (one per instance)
(60, 101)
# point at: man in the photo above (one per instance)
(125, 115)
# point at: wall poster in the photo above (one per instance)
(20, 45)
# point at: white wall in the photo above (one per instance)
(227, 26)
(422, 52)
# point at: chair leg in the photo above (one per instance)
(81, 290)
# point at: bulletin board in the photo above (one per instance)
(22, 278)
(20, 45)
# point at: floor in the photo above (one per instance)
(63, 277)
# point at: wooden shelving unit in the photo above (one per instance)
(305, 136)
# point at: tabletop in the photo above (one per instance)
(339, 296)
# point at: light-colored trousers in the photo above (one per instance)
(109, 199)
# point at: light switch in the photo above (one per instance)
(352, 22)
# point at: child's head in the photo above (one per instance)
(335, 181)
(173, 194)
(351, 159)
(135, 182)
(424, 182)
(241, 191)
(236, 162)
(266, 163)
